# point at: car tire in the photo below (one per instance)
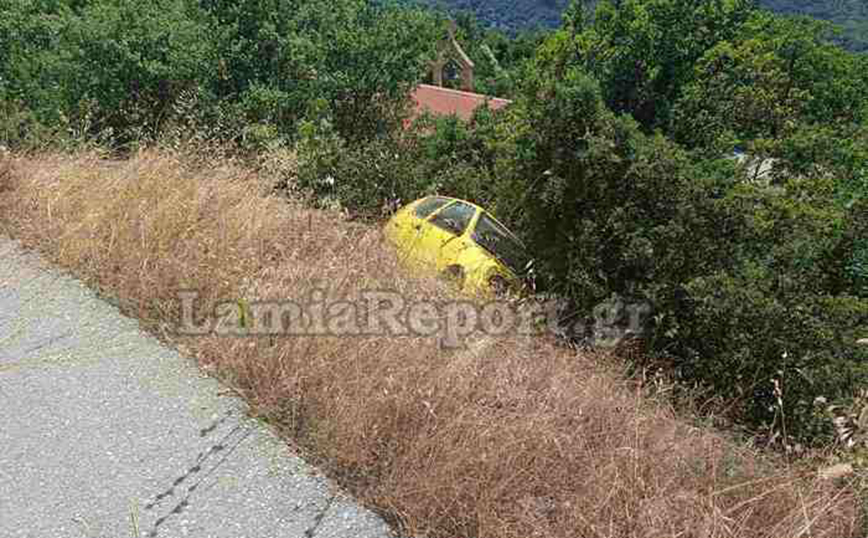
(455, 275)
(498, 285)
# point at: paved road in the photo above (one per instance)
(103, 430)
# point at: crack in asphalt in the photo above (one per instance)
(310, 532)
(201, 459)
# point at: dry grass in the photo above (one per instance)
(515, 437)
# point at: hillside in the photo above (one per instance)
(514, 435)
(255, 147)
(606, 179)
(850, 15)
(511, 15)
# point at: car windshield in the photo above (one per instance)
(493, 237)
(430, 205)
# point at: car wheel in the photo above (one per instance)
(454, 274)
(498, 285)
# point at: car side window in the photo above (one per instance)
(494, 238)
(429, 205)
(455, 218)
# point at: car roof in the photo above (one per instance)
(451, 199)
(479, 207)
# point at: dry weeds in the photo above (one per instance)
(515, 437)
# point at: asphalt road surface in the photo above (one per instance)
(106, 433)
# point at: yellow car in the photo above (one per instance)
(460, 241)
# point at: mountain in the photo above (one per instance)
(850, 15)
(512, 15)
(509, 15)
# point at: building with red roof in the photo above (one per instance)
(440, 101)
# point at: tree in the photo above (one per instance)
(776, 74)
(361, 59)
(31, 34)
(134, 61)
(643, 51)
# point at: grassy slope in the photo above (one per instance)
(513, 438)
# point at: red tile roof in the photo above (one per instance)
(446, 102)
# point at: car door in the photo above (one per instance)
(445, 238)
(412, 229)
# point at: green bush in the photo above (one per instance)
(32, 48)
(19, 127)
(746, 337)
(858, 269)
(857, 264)
(606, 207)
(459, 157)
(134, 61)
(367, 178)
(266, 60)
(371, 177)
(785, 309)
(361, 58)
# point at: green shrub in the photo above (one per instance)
(606, 207)
(267, 60)
(458, 156)
(19, 127)
(361, 58)
(366, 178)
(857, 263)
(784, 310)
(370, 177)
(32, 57)
(770, 353)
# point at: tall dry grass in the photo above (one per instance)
(512, 437)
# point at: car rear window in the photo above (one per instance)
(429, 205)
(454, 218)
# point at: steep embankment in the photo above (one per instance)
(518, 438)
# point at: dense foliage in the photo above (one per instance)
(125, 65)
(614, 161)
(749, 284)
(850, 15)
(509, 15)
(755, 284)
